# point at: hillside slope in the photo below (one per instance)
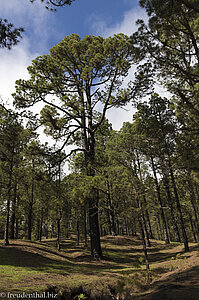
(38, 267)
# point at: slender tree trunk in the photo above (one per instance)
(148, 219)
(165, 230)
(17, 219)
(41, 228)
(38, 229)
(96, 252)
(146, 234)
(118, 226)
(143, 222)
(30, 209)
(159, 228)
(145, 250)
(85, 227)
(193, 203)
(175, 226)
(192, 228)
(17, 228)
(78, 232)
(52, 230)
(184, 235)
(13, 216)
(29, 235)
(110, 210)
(58, 235)
(6, 232)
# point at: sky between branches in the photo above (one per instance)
(44, 29)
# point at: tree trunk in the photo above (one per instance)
(145, 251)
(13, 216)
(165, 230)
(110, 210)
(148, 219)
(78, 233)
(193, 203)
(143, 222)
(192, 228)
(159, 228)
(58, 235)
(146, 234)
(184, 235)
(85, 227)
(41, 228)
(29, 234)
(175, 226)
(96, 251)
(17, 219)
(6, 233)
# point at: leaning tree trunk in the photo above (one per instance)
(145, 249)
(148, 218)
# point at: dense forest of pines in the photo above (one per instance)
(141, 180)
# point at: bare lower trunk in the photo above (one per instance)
(78, 232)
(145, 250)
(58, 235)
(165, 230)
(184, 235)
(6, 233)
(170, 202)
(96, 251)
(85, 228)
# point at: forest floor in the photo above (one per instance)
(31, 267)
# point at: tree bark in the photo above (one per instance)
(184, 235)
(13, 216)
(89, 145)
(110, 210)
(6, 232)
(165, 230)
(85, 227)
(58, 235)
(175, 226)
(96, 251)
(193, 203)
(78, 232)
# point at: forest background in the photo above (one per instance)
(142, 178)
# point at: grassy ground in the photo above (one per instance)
(38, 267)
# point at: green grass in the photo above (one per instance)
(32, 266)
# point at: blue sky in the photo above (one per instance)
(44, 29)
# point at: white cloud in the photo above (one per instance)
(13, 64)
(127, 26)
